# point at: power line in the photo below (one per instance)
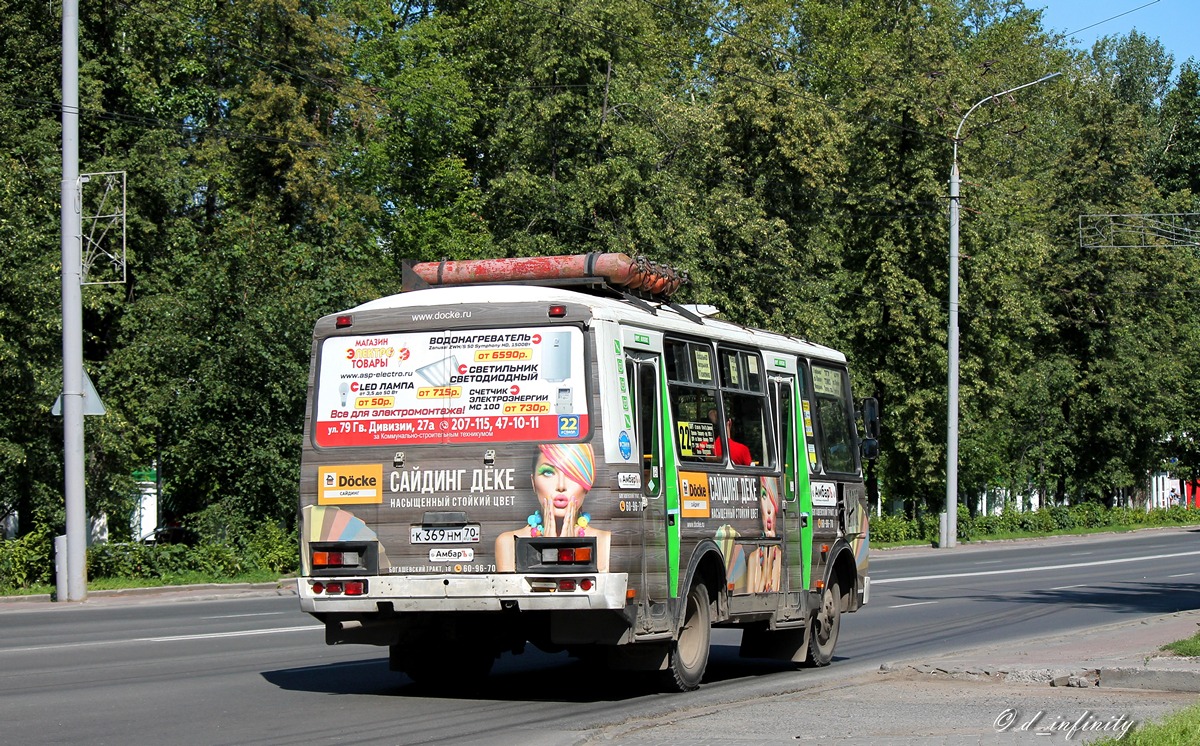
(1112, 18)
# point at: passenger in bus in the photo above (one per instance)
(738, 452)
(563, 474)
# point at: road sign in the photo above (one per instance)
(91, 399)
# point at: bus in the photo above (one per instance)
(550, 451)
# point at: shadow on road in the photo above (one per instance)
(1132, 597)
(532, 677)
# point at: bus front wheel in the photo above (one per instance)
(826, 622)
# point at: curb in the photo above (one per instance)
(1168, 680)
(1108, 677)
(982, 542)
(281, 587)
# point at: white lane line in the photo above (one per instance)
(176, 638)
(987, 562)
(218, 635)
(1015, 570)
(918, 603)
(1068, 587)
(1182, 575)
(240, 616)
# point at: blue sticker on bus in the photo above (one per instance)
(568, 426)
(625, 446)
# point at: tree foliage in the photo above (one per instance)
(284, 155)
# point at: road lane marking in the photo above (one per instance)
(176, 638)
(1068, 587)
(917, 603)
(240, 616)
(1182, 575)
(1015, 570)
(240, 633)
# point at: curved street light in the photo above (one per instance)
(949, 525)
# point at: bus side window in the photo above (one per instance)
(691, 384)
(744, 396)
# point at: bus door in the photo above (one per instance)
(797, 534)
(642, 370)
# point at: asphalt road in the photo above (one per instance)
(256, 670)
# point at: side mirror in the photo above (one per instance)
(870, 415)
(870, 449)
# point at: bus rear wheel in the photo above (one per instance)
(689, 653)
(826, 623)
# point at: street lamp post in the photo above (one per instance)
(949, 526)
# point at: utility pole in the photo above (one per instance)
(948, 525)
(72, 310)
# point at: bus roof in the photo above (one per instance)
(650, 314)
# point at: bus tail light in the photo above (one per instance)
(567, 555)
(323, 560)
(339, 588)
(561, 585)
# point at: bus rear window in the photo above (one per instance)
(459, 386)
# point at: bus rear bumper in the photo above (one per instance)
(604, 591)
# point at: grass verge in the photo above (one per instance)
(1189, 648)
(1180, 729)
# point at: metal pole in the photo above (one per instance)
(950, 525)
(949, 528)
(72, 290)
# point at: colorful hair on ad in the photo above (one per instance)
(574, 460)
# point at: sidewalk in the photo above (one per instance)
(1124, 655)
(1072, 688)
(281, 587)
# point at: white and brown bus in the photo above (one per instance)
(549, 451)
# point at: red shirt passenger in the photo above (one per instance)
(738, 452)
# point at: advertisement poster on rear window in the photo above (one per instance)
(452, 387)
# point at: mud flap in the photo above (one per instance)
(780, 644)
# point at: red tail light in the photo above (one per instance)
(567, 555)
(322, 559)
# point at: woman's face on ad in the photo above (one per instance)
(768, 513)
(552, 485)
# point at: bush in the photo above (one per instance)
(1060, 517)
(1179, 514)
(271, 548)
(986, 525)
(892, 528)
(966, 524)
(216, 560)
(268, 548)
(27, 561)
(120, 560)
(1089, 515)
(1127, 517)
(931, 527)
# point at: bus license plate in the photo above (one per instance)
(456, 535)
